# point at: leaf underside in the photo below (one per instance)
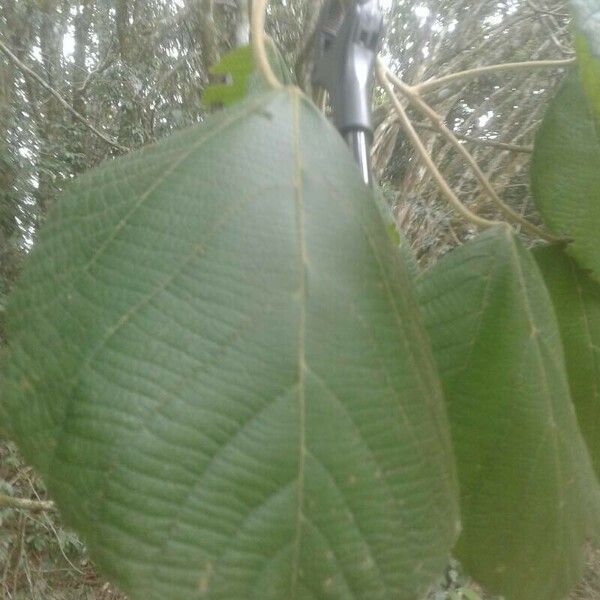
(216, 363)
(565, 173)
(576, 300)
(529, 498)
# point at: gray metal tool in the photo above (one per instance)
(348, 37)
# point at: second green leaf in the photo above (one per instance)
(528, 492)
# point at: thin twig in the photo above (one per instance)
(481, 141)
(414, 98)
(543, 11)
(25, 503)
(27, 70)
(257, 31)
(431, 84)
(424, 154)
(102, 66)
(19, 556)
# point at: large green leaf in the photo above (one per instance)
(529, 497)
(565, 173)
(576, 300)
(217, 365)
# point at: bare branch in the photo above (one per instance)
(481, 141)
(109, 59)
(424, 154)
(431, 84)
(25, 504)
(31, 73)
(414, 98)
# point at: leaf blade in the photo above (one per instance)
(565, 173)
(587, 19)
(222, 413)
(528, 495)
(576, 299)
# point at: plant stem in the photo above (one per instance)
(25, 503)
(432, 84)
(414, 98)
(257, 32)
(424, 154)
(481, 141)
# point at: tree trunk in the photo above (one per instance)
(79, 74)
(242, 23)
(129, 120)
(49, 120)
(208, 34)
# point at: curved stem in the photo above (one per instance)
(414, 98)
(432, 84)
(257, 31)
(424, 154)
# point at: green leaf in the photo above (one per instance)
(469, 594)
(587, 45)
(410, 260)
(565, 173)
(217, 364)
(589, 71)
(236, 68)
(576, 300)
(397, 238)
(529, 497)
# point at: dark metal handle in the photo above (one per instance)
(359, 143)
(348, 39)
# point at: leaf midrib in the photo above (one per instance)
(546, 395)
(302, 273)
